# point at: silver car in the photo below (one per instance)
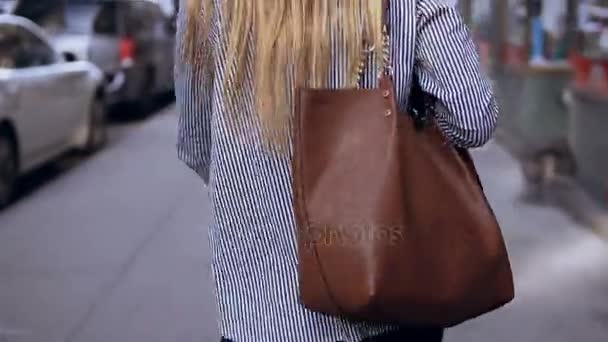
(131, 41)
(47, 105)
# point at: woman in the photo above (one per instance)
(237, 65)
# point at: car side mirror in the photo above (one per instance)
(69, 56)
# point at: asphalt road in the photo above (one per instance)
(113, 248)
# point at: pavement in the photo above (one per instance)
(113, 248)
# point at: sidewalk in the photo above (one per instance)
(561, 268)
(115, 250)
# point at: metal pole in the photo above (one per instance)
(499, 34)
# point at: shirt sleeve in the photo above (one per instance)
(448, 68)
(193, 92)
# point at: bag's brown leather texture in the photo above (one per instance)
(393, 225)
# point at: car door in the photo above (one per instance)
(164, 33)
(73, 93)
(44, 91)
(68, 89)
(28, 90)
(105, 51)
(139, 24)
(147, 23)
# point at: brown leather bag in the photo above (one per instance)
(393, 224)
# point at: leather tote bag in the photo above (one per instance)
(392, 222)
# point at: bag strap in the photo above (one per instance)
(387, 66)
(421, 105)
(387, 63)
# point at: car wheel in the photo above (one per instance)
(8, 168)
(98, 130)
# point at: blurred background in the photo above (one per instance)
(103, 231)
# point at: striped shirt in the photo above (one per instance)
(252, 234)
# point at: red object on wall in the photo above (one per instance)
(515, 56)
(583, 67)
(485, 53)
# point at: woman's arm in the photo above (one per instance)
(193, 92)
(448, 67)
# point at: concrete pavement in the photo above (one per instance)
(561, 268)
(114, 249)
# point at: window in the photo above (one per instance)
(20, 48)
(106, 20)
(142, 17)
(8, 47)
(80, 19)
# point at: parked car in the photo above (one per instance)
(47, 104)
(132, 41)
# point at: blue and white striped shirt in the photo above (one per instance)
(252, 235)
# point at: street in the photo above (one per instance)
(113, 248)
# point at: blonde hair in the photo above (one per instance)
(283, 36)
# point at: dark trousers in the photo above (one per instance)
(410, 335)
(405, 335)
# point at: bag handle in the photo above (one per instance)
(387, 66)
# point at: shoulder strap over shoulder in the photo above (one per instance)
(386, 5)
(386, 49)
(385, 8)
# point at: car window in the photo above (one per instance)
(20, 48)
(80, 19)
(106, 20)
(143, 18)
(8, 45)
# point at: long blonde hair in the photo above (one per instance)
(285, 37)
